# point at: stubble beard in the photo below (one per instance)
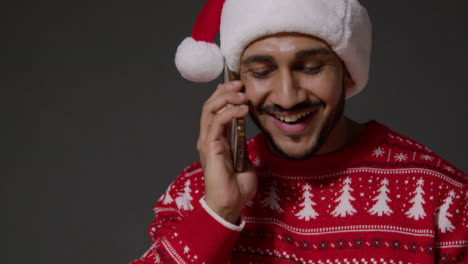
(324, 131)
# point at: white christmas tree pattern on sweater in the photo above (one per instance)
(307, 211)
(442, 219)
(416, 212)
(272, 198)
(183, 201)
(167, 197)
(381, 206)
(344, 207)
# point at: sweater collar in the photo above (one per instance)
(346, 157)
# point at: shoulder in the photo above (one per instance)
(192, 174)
(401, 151)
(192, 169)
(189, 185)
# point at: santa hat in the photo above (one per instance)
(343, 24)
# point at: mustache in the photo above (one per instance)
(298, 107)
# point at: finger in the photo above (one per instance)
(206, 121)
(214, 104)
(226, 107)
(217, 103)
(227, 87)
(221, 120)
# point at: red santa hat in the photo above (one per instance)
(343, 24)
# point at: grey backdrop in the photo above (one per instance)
(98, 121)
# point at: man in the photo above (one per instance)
(319, 187)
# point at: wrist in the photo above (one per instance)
(232, 215)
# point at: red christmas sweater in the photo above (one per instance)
(382, 199)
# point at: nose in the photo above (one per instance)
(286, 92)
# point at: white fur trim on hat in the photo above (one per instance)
(199, 61)
(343, 24)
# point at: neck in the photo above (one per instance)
(344, 132)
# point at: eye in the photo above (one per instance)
(312, 70)
(261, 73)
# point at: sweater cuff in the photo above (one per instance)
(203, 236)
(221, 220)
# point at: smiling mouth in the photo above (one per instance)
(292, 119)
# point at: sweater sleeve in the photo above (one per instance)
(452, 227)
(188, 232)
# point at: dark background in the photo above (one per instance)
(98, 122)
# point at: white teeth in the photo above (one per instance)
(292, 118)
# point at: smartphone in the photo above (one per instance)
(236, 132)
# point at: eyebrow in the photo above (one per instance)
(312, 52)
(257, 58)
(299, 55)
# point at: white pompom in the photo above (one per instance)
(199, 61)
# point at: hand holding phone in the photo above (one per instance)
(230, 179)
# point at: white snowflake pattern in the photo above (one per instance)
(378, 152)
(400, 157)
(452, 194)
(449, 169)
(426, 157)
(186, 249)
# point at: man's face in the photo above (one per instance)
(295, 87)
